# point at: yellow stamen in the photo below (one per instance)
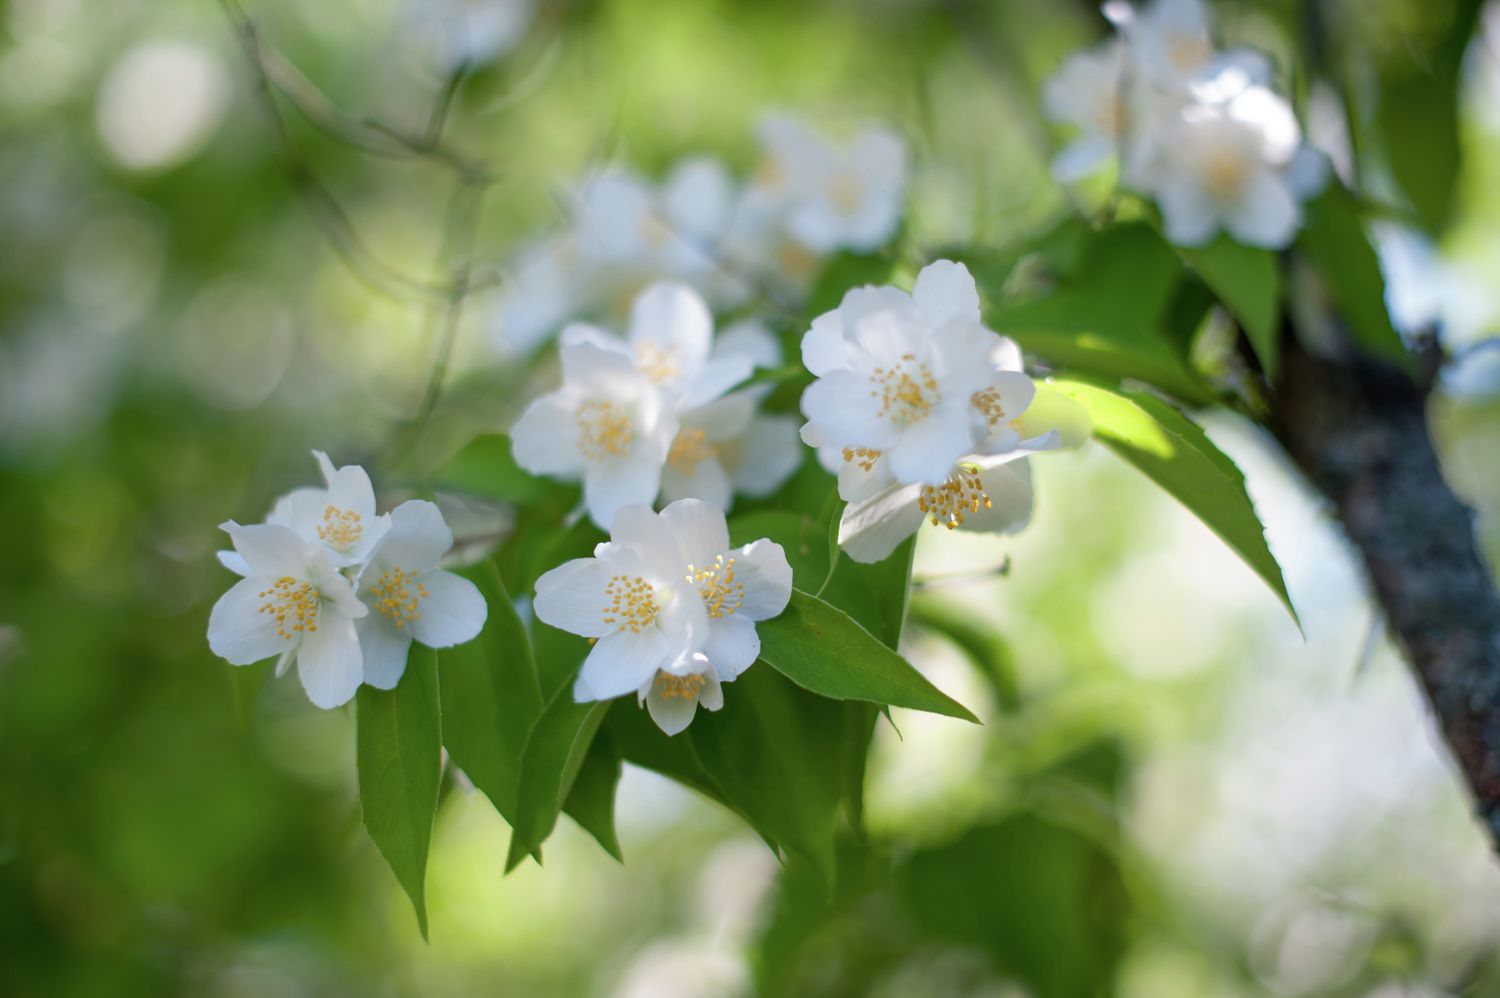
(603, 430)
(689, 448)
(907, 391)
(294, 605)
(721, 594)
(961, 495)
(656, 362)
(393, 595)
(988, 404)
(686, 687)
(632, 603)
(862, 456)
(340, 528)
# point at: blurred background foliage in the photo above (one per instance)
(1173, 792)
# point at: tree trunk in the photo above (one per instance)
(1358, 429)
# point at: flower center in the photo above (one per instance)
(963, 493)
(862, 456)
(604, 430)
(340, 529)
(989, 406)
(632, 603)
(655, 362)
(294, 605)
(1187, 52)
(1225, 173)
(1109, 118)
(721, 594)
(686, 687)
(795, 261)
(396, 595)
(689, 448)
(770, 173)
(906, 390)
(846, 192)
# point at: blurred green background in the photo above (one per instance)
(1174, 793)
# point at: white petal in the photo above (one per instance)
(1005, 355)
(349, 488)
(733, 646)
(861, 477)
(699, 528)
(269, 550)
(715, 378)
(599, 371)
(329, 661)
(612, 484)
(884, 322)
(545, 440)
(706, 480)
(724, 418)
(1189, 216)
(233, 561)
(283, 511)
(749, 338)
(844, 412)
(1266, 215)
(768, 455)
(452, 612)
(571, 598)
(869, 531)
(619, 663)
(945, 293)
(671, 714)
(674, 318)
(417, 540)
(761, 567)
(1010, 493)
(238, 632)
(1083, 158)
(824, 348)
(927, 450)
(698, 196)
(383, 646)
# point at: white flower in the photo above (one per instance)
(471, 32)
(338, 518)
(670, 340)
(411, 598)
(1169, 39)
(989, 494)
(897, 373)
(608, 425)
(671, 605)
(545, 289)
(1232, 158)
(1088, 93)
(292, 603)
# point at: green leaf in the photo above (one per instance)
(1417, 110)
(490, 696)
(1247, 281)
(554, 753)
(485, 467)
(1177, 455)
(399, 755)
(820, 648)
(591, 802)
(1335, 243)
(843, 271)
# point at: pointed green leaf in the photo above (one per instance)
(591, 802)
(490, 695)
(399, 754)
(554, 754)
(1177, 455)
(1247, 281)
(820, 648)
(1335, 243)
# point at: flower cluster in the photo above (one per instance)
(806, 198)
(339, 590)
(670, 606)
(1199, 130)
(922, 413)
(653, 412)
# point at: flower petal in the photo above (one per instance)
(732, 646)
(699, 528)
(417, 540)
(767, 456)
(329, 661)
(672, 714)
(761, 567)
(268, 549)
(452, 612)
(845, 413)
(1266, 215)
(927, 450)
(869, 531)
(571, 598)
(1010, 492)
(824, 348)
(546, 439)
(713, 379)
(673, 318)
(238, 632)
(945, 292)
(234, 561)
(619, 663)
(628, 481)
(748, 338)
(706, 480)
(383, 647)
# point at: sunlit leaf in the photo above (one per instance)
(1177, 455)
(1247, 281)
(399, 753)
(554, 753)
(820, 648)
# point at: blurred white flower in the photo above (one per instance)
(672, 608)
(413, 599)
(609, 425)
(1088, 93)
(339, 518)
(1169, 40)
(470, 32)
(292, 603)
